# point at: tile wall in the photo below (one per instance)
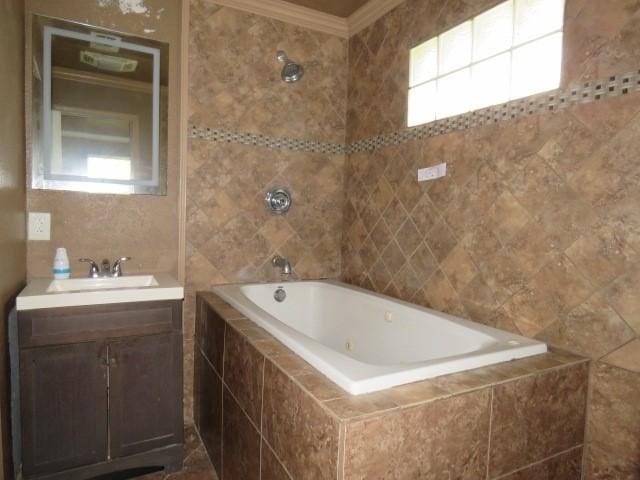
(235, 85)
(535, 229)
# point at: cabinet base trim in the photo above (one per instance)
(170, 458)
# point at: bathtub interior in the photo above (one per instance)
(369, 328)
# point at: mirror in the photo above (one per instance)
(103, 100)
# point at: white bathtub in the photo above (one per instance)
(366, 342)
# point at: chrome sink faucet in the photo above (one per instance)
(107, 270)
(282, 263)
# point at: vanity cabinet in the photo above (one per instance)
(101, 389)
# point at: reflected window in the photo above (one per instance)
(108, 167)
(94, 144)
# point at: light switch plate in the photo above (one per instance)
(39, 226)
(431, 173)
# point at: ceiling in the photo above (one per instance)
(340, 8)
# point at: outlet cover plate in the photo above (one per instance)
(431, 173)
(39, 226)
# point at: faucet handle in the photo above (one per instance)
(116, 271)
(94, 270)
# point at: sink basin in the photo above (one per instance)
(48, 293)
(102, 283)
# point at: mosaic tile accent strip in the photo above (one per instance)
(225, 136)
(558, 100)
(550, 102)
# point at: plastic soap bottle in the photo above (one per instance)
(61, 268)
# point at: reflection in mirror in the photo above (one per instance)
(103, 111)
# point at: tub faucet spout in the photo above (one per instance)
(282, 263)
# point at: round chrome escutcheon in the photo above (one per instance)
(278, 201)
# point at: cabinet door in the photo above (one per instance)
(145, 393)
(64, 407)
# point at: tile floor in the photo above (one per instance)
(197, 465)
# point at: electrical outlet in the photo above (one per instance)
(39, 226)
(431, 173)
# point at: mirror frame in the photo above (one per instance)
(48, 180)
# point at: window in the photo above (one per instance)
(511, 51)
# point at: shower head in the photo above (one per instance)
(291, 72)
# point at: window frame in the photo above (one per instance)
(513, 47)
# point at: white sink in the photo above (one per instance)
(102, 283)
(48, 293)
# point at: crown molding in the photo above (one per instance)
(369, 13)
(313, 19)
(290, 13)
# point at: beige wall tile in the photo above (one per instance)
(603, 465)
(627, 357)
(537, 417)
(302, 434)
(208, 409)
(592, 329)
(450, 441)
(240, 442)
(243, 374)
(614, 415)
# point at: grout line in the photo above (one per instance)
(587, 415)
(224, 349)
(260, 432)
(246, 414)
(221, 429)
(546, 459)
(278, 458)
(183, 147)
(344, 453)
(490, 430)
(210, 364)
(224, 346)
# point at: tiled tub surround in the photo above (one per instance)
(265, 413)
(365, 342)
(542, 209)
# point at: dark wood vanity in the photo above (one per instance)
(101, 389)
